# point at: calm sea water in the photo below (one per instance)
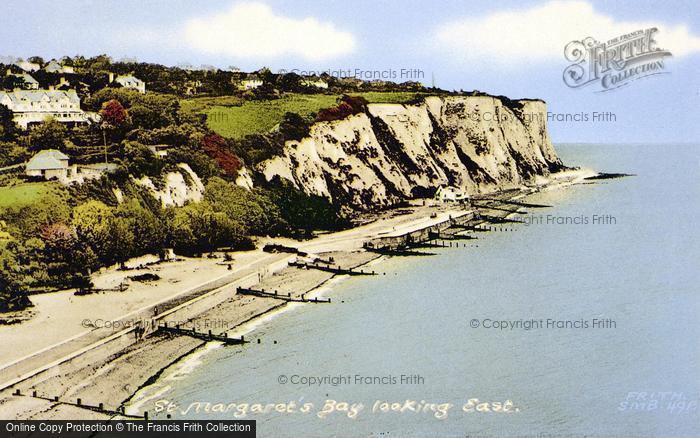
(640, 377)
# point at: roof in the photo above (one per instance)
(27, 66)
(18, 96)
(28, 79)
(48, 159)
(53, 67)
(129, 79)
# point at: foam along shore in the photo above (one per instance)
(65, 368)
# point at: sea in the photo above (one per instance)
(583, 321)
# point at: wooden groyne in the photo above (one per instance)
(398, 252)
(209, 336)
(78, 403)
(518, 203)
(331, 268)
(498, 220)
(449, 236)
(276, 295)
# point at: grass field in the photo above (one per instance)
(23, 194)
(227, 117)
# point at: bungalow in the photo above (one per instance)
(48, 164)
(53, 164)
(34, 106)
(131, 82)
(450, 194)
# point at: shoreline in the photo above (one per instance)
(121, 375)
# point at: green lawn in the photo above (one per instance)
(23, 194)
(227, 117)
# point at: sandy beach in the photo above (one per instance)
(103, 348)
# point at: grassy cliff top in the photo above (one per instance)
(234, 118)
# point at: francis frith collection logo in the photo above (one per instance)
(614, 63)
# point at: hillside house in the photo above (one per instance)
(315, 82)
(131, 82)
(48, 164)
(159, 150)
(53, 164)
(250, 83)
(34, 106)
(27, 66)
(55, 67)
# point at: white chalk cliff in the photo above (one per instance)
(395, 152)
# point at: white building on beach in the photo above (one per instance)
(450, 194)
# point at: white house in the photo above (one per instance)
(28, 66)
(160, 150)
(315, 82)
(53, 164)
(450, 194)
(131, 82)
(48, 164)
(250, 83)
(55, 67)
(34, 106)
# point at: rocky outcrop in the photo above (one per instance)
(176, 188)
(394, 152)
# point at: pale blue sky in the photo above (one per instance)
(373, 35)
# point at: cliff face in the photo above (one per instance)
(176, 189)
(396, 152)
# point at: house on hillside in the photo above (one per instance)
(34, 106)
(55, 67)
(53, 164)
(160, 150)
(48, 164)
(132, 82)
(315, 82)
(29, 83)
(450, 194)
(27, 66)
(251, 82)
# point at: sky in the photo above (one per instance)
(512, 48)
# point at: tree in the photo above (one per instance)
(36, 60)
(146, 227)
(114, 114)
(12, 153)
(140, 160)
(215, 147)
(13, 289)
(293, 127)
(11, 82)
(252, 209)
(51, 134)
(109, 236)
(198, 228)
(68, 259)
(8, 128)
